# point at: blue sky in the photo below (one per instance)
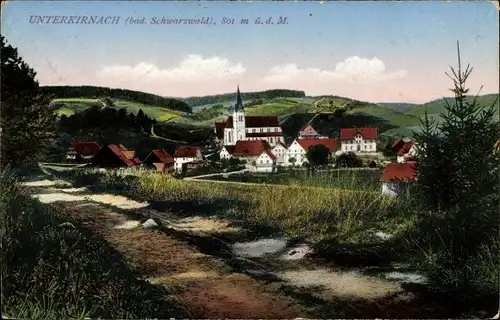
(375, 51)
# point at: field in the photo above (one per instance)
(336, 179)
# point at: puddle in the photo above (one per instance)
(45, 183)
(70, 190)
(54, 197)
(199, 224)
(117, 201)
(258, 248)
(407, 277)
(341, 284)
(297, 253)
(128, 224)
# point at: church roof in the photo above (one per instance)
(256, 122)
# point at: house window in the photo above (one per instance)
(253, 130)
(267, 161)
(261, 129)
(240, 118)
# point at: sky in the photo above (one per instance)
(371, 51)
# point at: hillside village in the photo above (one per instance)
(257, 143)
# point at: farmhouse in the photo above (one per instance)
(397, 178)
(186, 155)
(308, 132)
(161, 160)
(82, 151)
(226, 152)
(239, 127)
(296, 153)
(115, 156)
(359, 139)
(279, 150)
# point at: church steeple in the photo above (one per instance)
(239, 104)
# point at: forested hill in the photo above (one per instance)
(264, 95)
(103, 92)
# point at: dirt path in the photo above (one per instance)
(205, 284)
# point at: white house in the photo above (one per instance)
(358, 140)
(239, 127)
(296, 153)
(265, 162)
(226, 152)
(407, 152)
(279, 150)
(397, 177)
(186, 155)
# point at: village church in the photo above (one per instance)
(239, 127)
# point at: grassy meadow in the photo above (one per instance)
(53, 268)
(367, 180)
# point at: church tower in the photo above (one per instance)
(238, 119)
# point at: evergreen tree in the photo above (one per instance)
(457, 172)
(26, 118)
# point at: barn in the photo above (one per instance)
(115, 156)
(397, 178)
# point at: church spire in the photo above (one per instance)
(239, 104)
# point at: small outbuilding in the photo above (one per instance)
(397, 178)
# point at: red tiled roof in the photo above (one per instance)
(264, 134)
(398, 144)
(249, 148)
(399, 172)
(118, 151)
(85, 148)
(404, 149)
(349, 133)
(230, 149)
(256, 121)
(308, 130)
(270, 154)
(331, 144)
(130, 154)
(163, 156)
(219, 129)
(187, 152)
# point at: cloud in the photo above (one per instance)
(353, 69)
(192, 68)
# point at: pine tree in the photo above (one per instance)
(26, 118)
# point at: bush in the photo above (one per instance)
(54, 269)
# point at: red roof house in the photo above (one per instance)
(350, 133)
(82, 150)
(404, 149)
(113, 156)
(161, 160)
(331, 144)
(398, 144)
(250, 148)
(188, 152)
(399, 172)
(308, 132)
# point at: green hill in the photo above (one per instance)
(434, 108)
(228, 98)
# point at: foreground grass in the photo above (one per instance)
(316, 213)
(54, 269)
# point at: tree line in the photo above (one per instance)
(105, 118)
(123, 94)
(263, 95)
